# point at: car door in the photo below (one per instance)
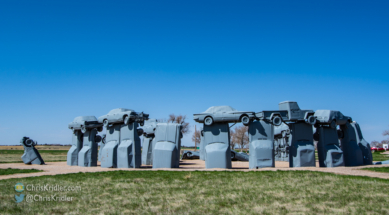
(217, 116)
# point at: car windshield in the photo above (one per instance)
(214, 109)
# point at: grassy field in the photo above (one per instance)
(378, 169)
(10, 171)
(169, 192)
(14, 156)
(378, 156)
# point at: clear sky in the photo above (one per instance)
(62, 59)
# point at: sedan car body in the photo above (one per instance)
(224, 114)
(124, 115)
(331, 117)
(83, 122)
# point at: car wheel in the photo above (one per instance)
(208, 120)
(29, 143)
(311, 120)
(83, 129)
(232, 155)
(277, 121)
(245, 120)
(105, 122)
(333, 124)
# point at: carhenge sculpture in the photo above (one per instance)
(31, 154)
(301, 148)
(84, 142)
(215, 141)
(122, 142)
(328, 149)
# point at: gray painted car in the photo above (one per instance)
(289, 111)
(331, 117)
(84, 122)
(223, 114)
(122, 115)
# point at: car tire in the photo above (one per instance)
(28, 143)
(245, 120)
(333, 124)
(208, 120)
(311, 120)
(83, 129)
(277, 121)
(105, 123)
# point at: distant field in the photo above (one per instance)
(198, 192)
(39, 147)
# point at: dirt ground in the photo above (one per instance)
(54, 168)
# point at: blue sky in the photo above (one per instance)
(62, 59)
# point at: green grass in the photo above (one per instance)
(14, 156)
(10, 171)
(377, 156)
(203, 192)
(378, 169)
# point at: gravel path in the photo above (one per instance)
(55, 168)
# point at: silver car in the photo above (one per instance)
(84, 122)
(331, 118)
(224, 114)
(122, 115)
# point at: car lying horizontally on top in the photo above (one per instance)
(288, 111)
(331, 118)
(84, 122)
(224, 114)
(124, 115)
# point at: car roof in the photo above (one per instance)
(219, 109)
(118, 110)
